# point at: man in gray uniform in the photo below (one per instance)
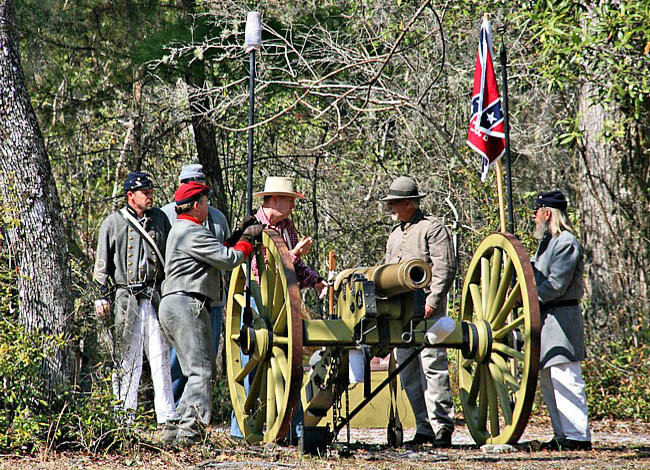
(217, 224)
(426, 378)
(194, 257)
(129, 272)
(558, 265)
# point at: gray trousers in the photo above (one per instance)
(426, 381)
(185, 322)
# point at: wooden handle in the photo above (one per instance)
(331, 264)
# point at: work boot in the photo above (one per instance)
(442, 440)
(420, 439)
(168, 434)
(565, 444)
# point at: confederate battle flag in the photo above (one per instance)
(486, 129)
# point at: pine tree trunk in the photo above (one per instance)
(36, 240)
(614, 203)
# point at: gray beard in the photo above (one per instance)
(540, 230)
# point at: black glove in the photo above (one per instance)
(253, 233)
(237, 233)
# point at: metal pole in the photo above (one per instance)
(253, 41)
(506, 122)
(249, 184)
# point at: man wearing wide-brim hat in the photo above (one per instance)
(422, 236)
(559, 265)
(278, 201)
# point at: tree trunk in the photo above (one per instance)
(614, 203)
(205, 135)
(36, 239)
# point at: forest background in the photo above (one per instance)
(349, 95)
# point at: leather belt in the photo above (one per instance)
(559, 303)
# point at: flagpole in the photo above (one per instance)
(499, 177)
(502, 208)
(506, 124)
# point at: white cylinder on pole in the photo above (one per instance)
(356, 362)
(440, 330)
(253, 35)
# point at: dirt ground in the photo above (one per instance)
(617, 445)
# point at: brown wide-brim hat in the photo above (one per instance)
(279, 186)
(403, 187)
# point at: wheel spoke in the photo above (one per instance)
(504, 284)
(264, 289)
(505, 370)
(502, 348)
(250, 365)
(495, 265)
(271, 409)
(482, 400)
(506, 308)
(516, 323)
(476, 300)
(282, 362)
(278, 383)
(485, 283)
(254, 391)
(502, 394)
(278, 298)
(474, 388)
(277, 340)
(281, 321)
(257, 296)
(493, 405)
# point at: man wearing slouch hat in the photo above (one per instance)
(559, 265)
(128, 271)
(425, 378)
(193, 259)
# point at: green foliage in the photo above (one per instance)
(605, 44)
(618, 383)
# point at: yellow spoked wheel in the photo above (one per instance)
(264, 357)
(497, 372)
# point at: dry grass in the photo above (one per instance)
(617, 445)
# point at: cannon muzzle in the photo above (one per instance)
(392, 279)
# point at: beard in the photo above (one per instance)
(393, 216)
(540, 230)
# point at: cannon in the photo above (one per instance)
(497, 335)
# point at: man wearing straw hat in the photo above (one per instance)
(279, 199)
(426, 378)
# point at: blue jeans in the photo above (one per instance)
(298, 419)
(178, 379)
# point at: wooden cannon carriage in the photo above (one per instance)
(497, 335)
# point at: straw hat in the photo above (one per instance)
(279, 186)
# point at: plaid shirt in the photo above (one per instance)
(305, 275)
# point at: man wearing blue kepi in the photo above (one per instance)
(559, 265)
(129, 271)
(217, 224)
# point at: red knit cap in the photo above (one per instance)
(189, 192)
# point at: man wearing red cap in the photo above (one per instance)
(194, 257)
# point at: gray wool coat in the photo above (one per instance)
(193, 259)
(127, 269)
(559, 265)
(218, 225)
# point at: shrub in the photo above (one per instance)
(618, 382)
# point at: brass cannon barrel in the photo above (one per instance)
(392, 279)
